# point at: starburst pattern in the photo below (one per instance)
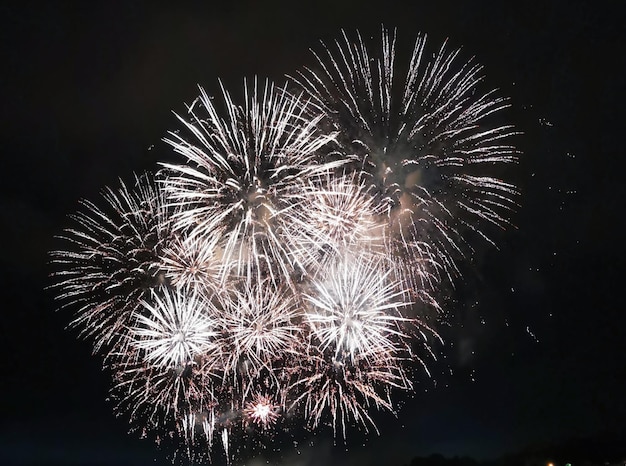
(245, 175)
(343, 216)
(193, 263)
(176, 329)
(355, 310)
(114, 260)
(426, 143)
(290, 267)
(261, 324)
(261, 411)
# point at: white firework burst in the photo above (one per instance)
(261, 327)
(427, 145)
(194, 263)
(359, 343)
(177, 328)
(245, 175)
(343, 216)
(354, 310)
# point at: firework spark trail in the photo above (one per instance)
(290, 267)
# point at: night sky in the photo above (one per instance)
(535, 350)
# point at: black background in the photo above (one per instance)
(87, 93)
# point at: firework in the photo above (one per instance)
(289, 267)
(244, 176)
(176, 330)
(193, 263)
(358, 342)
(185, 399)
(261, 326)
(261, 411)
(343, 216)
(355, 310)
(113, 260)
(426, 144)
(339, 392)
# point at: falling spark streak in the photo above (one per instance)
(225, 444)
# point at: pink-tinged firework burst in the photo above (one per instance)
(261, 411)
(343, 392)
(289, 267)
(179, 403)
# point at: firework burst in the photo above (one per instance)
(245, 175)
(176, 329)
(426, 142)
(112, 261)
(261, 411)
(261, 324)
(193, 263)
(358, 343)
(343, 216)
(290, 266)
(355, 310)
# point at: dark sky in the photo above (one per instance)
(88, 90)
